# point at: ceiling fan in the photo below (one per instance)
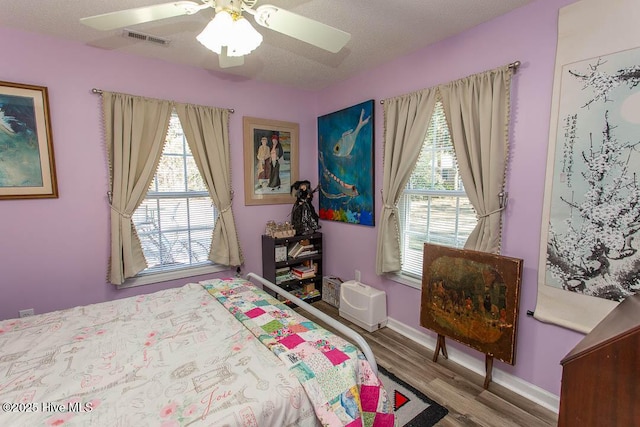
(229, 34)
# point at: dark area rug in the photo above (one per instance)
(412, 408)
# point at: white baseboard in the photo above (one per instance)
(529, 391)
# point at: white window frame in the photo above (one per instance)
(155, 275)
(411, 278)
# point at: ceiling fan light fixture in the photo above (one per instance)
(244, 38)
(216, 33)
(228, 33)
(231, 30)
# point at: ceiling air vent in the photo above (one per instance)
(145, 37)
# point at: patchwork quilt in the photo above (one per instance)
(336, 376)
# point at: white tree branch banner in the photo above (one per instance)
(590, 241)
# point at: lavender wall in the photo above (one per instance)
(529, 35)
(53, 253)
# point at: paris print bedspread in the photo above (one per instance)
(171, 358)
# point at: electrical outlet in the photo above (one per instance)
(358, 276)
(26, 313)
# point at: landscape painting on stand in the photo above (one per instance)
(472, 297)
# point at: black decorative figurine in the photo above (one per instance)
(303, 215)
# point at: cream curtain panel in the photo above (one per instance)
(477, 110)
(135, 130)
(406, 120)
(207, 133)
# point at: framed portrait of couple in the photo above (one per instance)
(270, 161)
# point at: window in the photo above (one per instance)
(434, 207)
(176, 218)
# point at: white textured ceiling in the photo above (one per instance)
(381, 30)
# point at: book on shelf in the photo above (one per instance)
(282, 270)
(300, 247)
(303, 275)
(283, 275)
(307, 252)
(282, 279)
(303, 271)
(300, 293)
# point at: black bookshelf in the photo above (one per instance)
(275, 263)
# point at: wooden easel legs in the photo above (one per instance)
(488, 366)
(441, 347)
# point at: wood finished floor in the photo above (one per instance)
(455, 387)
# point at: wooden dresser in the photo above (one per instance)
(601, 375)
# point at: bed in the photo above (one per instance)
(216, 353)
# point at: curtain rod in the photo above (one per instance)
(99, 92)
(513, 65)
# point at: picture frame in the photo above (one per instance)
(346, 165)
(28, 167)
(473, 298)
(269, 173)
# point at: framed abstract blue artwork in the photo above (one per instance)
(27, 169)
(345, 165)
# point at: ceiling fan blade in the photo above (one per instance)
(226, 61)
(301, 28)
(124, 18)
